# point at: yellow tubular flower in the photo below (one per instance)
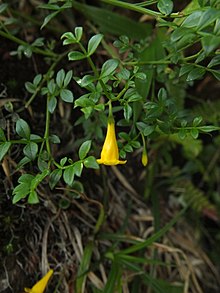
(110, 154)
(40, 286)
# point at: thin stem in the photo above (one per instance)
(47, 128)
(193, 56)
(21, 42)
(25, 141)
(140, 9)
(147, 62)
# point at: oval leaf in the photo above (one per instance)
(93, 43)
(68, 175)
(84, 149)
(109, 67)
(4, 147)
(22, 128)
(165, 6)
(30, 150)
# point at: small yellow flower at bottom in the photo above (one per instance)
(110, 154)
(40, 286)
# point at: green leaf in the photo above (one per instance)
(30, 150)
(208, 128)
(26, 178)
(192, 20)
(66, 95)
(78, 167)
(216, 74)
(162, 94)
(60, 78)
(208, 17)
(86, 80)
(196, 73)
(90, 162)
(132, 95)
(23, 189)
(124, 74)
(22, 128)
(70, 38)
(63, 161)
(52, 104)
(197, 121)
(84, 149)
(210, 43)
(68, 175)
(41, 162)
(51, 87)
(33, 198)
(135, 144)
(48, 18)
(67, 78)
(179, 32)
(194, 133)
(54, 138)
(20, 192)
(182, 133)
(78, 33)
(30, 87)
(127, 112)
(109, 67)
(4, 147)
(186, 41)
(165, 6)
(215, 61)
(185, 69)
(75, 55)
(54, 178)
(93, 43)
(37, 79)
(84, 101)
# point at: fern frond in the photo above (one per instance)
(209, 111)
(194, 197)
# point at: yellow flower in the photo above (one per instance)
(40, 286)
(110, 154)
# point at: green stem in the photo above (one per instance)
(142, 10)
(25, 141)
(193, 56)
(121, 93)
(21, 42)
(47, 129)
(147, 62)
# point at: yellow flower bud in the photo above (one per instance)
(144, 158)
(40, 286)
